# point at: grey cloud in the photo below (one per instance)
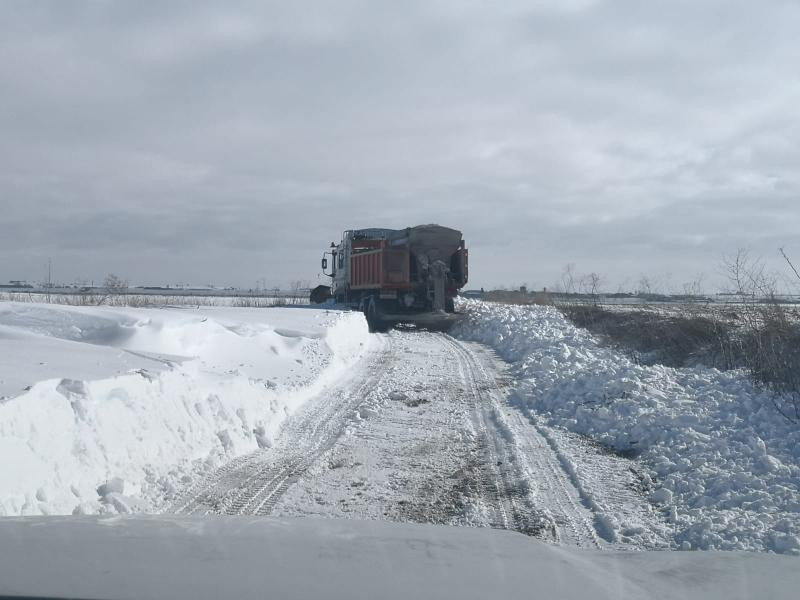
(195, 140)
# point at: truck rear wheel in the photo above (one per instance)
(374, 320)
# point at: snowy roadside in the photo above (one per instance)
(138, 401)
(722, 465)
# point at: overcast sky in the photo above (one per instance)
(233, 141)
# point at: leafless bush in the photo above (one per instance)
(144, 300)
(652, 336)
(770, 340)
(518, 297)
(114, 288)
(760, 334)
(773, 353)
(115, 285)
(298, 292)
(567, 283)
(257, 302)
(543, 298)
(590, 285)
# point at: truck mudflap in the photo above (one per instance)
(434, 320)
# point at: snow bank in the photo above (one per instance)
(134, 401)
(251, 557)
(723, 465)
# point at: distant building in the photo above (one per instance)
(16, 284)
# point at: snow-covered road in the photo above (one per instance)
(421, 431)
(297, 412)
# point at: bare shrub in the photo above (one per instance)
(759, 332)
(298, 292)
(789, 262)
(519, 296)
(590, 285)
(543, 298)
(567, 283)
(773, 358)
(140, 300)
(652, 336)
(255, 302)
(770, 340)
(114, 287)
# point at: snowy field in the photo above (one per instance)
(135, 401)
(162, 299)
(721, 464)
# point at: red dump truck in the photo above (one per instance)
(397, 276)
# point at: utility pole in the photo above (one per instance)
(49, 278)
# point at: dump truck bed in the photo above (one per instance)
(397, 276)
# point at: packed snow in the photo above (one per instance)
(108, 409)
(434, 440)
(256, 557)
(118, 410)
(720, 463)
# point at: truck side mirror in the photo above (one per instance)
(324, 263)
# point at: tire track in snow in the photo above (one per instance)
(519, 481)
(602, 492)
(536, 465)
(493, 487)
(253, 483)
(475, 475)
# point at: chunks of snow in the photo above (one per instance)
(661, 496)
(767, 464)
(148, 396)
(724, 462)
(87, 508)
(785, 544)
(225, 439)
(115, 485)
(124, 505)
(41, 494)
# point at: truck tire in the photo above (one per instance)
(449, 305)
(374, 320)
